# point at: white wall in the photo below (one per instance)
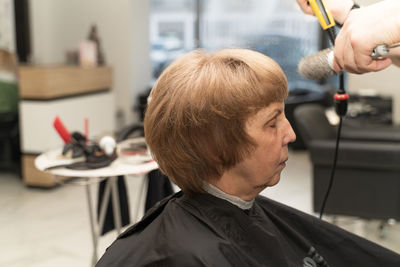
(386, 82)
(36, 118)
(7, 29)
(123, 27)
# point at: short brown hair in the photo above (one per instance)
(194, 122)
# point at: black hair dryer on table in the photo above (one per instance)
(97, 155)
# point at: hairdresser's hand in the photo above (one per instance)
(363, 30)
(394, 55)
(339, 9)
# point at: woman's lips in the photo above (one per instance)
(283, 163)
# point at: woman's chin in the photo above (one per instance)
(275, 180)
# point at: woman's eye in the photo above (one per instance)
(272, 124)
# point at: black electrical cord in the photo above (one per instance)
(333, 169)
(340, 97)
(341, 109)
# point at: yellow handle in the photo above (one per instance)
(322, 13)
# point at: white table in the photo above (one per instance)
(86, 177)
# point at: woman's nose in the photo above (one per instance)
(290, 136)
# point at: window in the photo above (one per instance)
(171, 31)
(276, 28)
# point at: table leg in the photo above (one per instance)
(92, 225)
(103, 206)
(116, 204)
(139, 197)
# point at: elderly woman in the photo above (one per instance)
(216, 126)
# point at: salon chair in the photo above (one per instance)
(367, 177)
(303, 94)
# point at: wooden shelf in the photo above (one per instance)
(48, 82)
(34, 177)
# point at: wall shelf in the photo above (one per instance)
(47, 82)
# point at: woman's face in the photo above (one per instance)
(272, 132)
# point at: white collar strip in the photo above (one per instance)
(212, 190)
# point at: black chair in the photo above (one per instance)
(303, 94)
(367, 178)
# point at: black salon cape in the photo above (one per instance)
(203, 230)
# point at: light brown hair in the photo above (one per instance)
(194, 122)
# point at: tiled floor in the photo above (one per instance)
(48, 228)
